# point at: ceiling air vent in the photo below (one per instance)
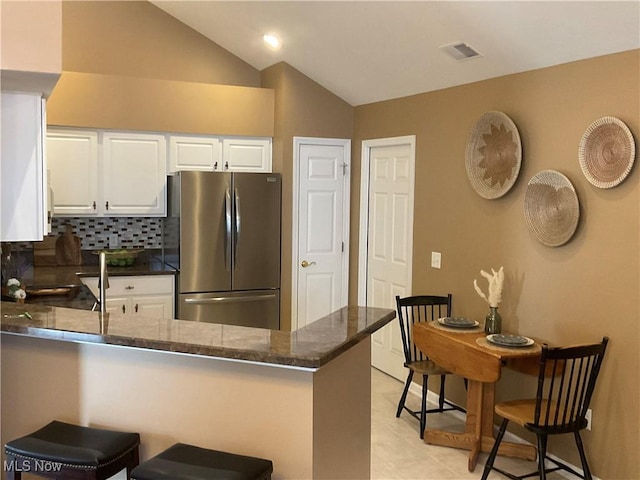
(460, 51)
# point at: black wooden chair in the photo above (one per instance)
(422, 308)
(566, 382)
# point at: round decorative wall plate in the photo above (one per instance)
(493, 155)
(551, 208)
(606, 152)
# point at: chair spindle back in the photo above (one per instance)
(566, 382)
(419, 308)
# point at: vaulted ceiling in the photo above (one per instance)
(369, 51)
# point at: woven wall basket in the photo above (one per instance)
(551, 208)
(606, 152)
(493, 155)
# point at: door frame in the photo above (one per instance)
(365, 168)
(331, 142)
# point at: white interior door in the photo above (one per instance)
(386, 250)
(321, 224)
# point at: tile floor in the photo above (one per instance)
(398, 453)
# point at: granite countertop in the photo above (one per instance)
(309, 347)
(40, 278)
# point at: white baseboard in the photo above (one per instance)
(432, 398)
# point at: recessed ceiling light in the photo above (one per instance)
(271, 40)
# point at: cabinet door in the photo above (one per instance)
(119, 305)
(246, 154)
(134, 174)
(194, 153)
(158, 306)
(72, 156)
(22, 168)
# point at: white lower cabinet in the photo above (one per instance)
(148, 295)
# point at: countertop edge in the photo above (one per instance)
(314, 360)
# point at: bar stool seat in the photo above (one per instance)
(63, 451)
(186, 462)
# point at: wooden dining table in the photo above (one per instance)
(468, 353)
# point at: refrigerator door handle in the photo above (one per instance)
(227, 240)
(253, 298)
(237, 236)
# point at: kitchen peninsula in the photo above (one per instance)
(301, 399)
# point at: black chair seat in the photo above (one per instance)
(186, 462)
(73, 447)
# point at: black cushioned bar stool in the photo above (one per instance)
(64, 451)
(186, 462)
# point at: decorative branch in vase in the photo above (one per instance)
(493, 320)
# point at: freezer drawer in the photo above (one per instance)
(256, 308)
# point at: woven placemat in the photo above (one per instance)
(606, 152)
(483, 342)
(493, 155)
(439, 326)
(551, 208)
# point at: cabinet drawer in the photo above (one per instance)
(134, 285)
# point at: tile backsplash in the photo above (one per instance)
(94, 233)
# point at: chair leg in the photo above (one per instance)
(13, 470)
(403, 398)
(542, 455)
(441, 396)
(494, 451)
(583, 457)
(135, 461)
(423, 409)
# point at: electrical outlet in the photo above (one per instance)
(114, 240)
(588, 418)
(436, 259)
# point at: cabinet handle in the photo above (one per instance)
(106, 205)
(124, 309)
(136, 308)
(129, 287)
(215, 166)
(94, 204)
(226, 165)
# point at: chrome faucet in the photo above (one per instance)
(103, 282)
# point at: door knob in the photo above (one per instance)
(306, 264)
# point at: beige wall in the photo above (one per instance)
(31, 36)
(137, 39)
(132, 103)
(303, 108)
(31, 45)
(574, 293)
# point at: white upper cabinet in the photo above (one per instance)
(194, 153)
(246, 154)
(96, 173)
(219, 154)
(134, 174)
(23, 169)
(72, 157)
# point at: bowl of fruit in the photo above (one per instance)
(124, 257)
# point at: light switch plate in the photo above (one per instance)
(436, 259)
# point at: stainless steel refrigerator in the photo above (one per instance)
(225, 233)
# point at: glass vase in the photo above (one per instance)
(493, 321)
